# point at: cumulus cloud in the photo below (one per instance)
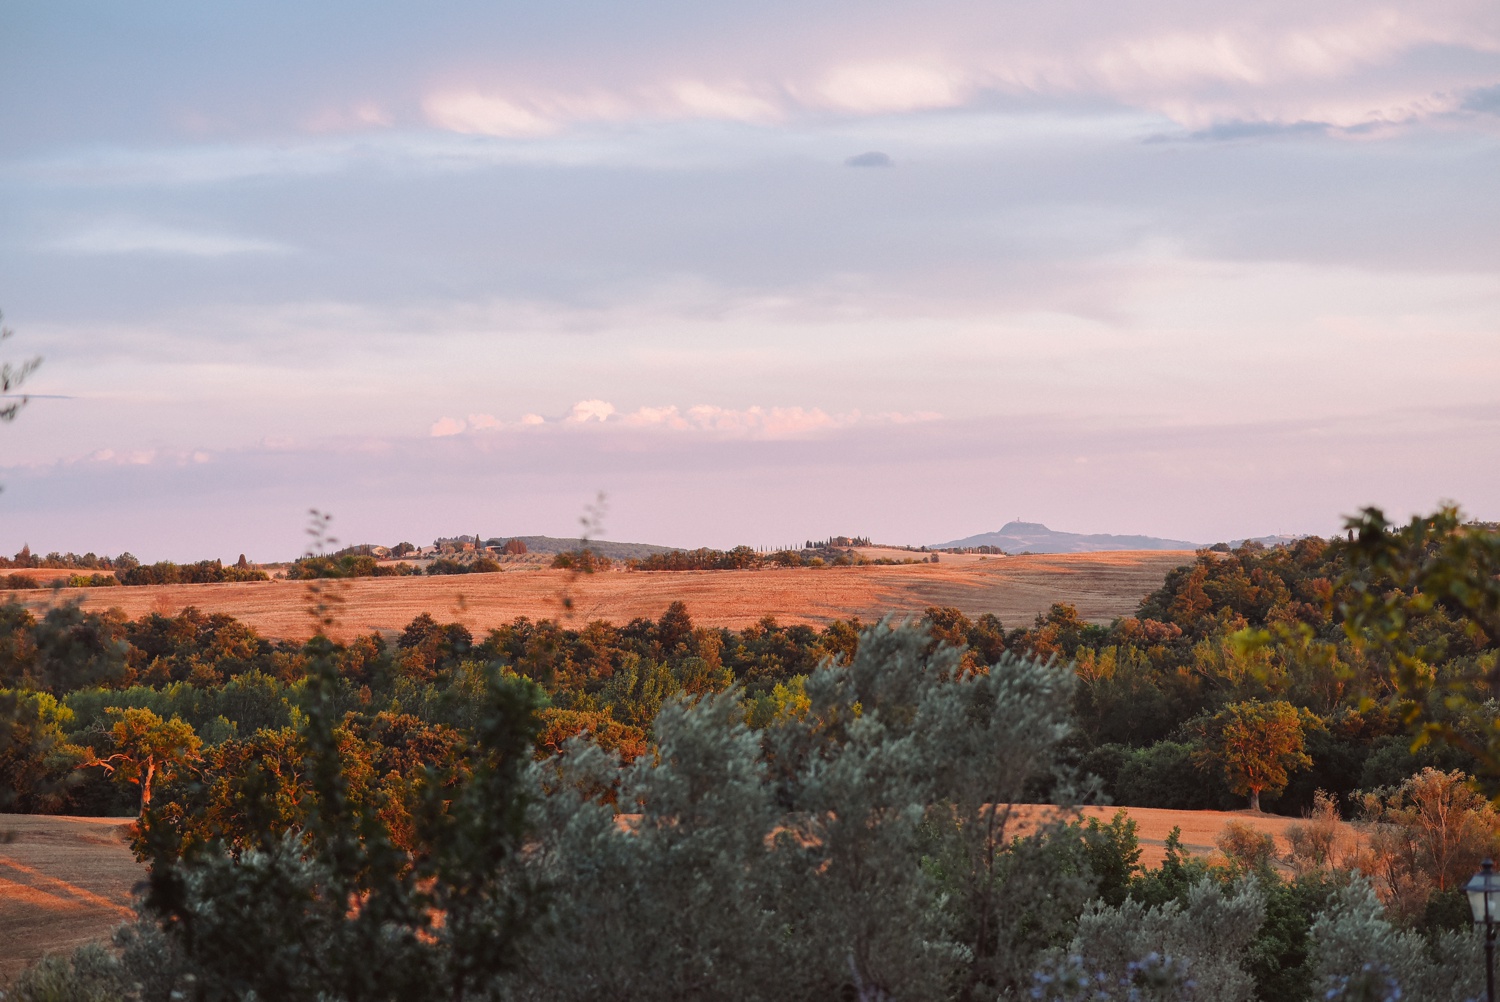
(874, 158)
(444, 427)
(590, 410)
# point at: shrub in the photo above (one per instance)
(1357, 953)
(89, 974)
(1201, 940)
(1427, 836)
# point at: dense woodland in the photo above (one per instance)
(661, 809)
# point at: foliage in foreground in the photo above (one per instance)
(862, 845)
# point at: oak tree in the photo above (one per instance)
(1256, 745)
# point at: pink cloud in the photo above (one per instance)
(1342, 63)
(590, 410)
(766, 423)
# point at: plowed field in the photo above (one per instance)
(1101, 585)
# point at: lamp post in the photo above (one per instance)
(1483, 890)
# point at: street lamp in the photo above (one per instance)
(1483, 890)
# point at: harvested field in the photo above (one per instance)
(63, 882)
(1199, 828)
(1101, 585)
(47, 575)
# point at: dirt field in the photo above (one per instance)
(66, 881)
(1101, 585)
(63, 882)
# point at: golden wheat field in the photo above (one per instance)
(1101, 585)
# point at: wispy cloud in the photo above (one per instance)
(767, 423)
(147, 238)
(1343, 64)
(146, 457)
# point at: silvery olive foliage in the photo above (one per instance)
(1198, 944)
(1358, 954)
(862, 846)
(674, 899)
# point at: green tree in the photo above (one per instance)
(1406, 589)
(1256, 745)
(37, 761)
(148, 749)
(302, 914)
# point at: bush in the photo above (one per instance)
(1357, 953)
(90, 974)
(1201, 940)
(93, 581)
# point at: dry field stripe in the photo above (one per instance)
(84, 897)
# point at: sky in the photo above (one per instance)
(757, 272)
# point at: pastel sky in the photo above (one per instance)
(760, 272)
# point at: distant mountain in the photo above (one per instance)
(1269, 542)
(1034, 537)
(603, 547)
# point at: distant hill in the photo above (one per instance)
(1034, 537)
(1269, 541)
(603, 547)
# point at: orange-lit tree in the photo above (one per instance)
(148, 749)
(1256, 745)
